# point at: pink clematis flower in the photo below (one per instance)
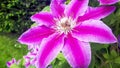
(68, 28)
(107, 2)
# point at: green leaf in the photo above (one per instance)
(67, 2)
(96, 46)
(110, 19)
(60, 62)
(113, 53)
(106, 56)
(9, 5)
(60, 56)
(47, 8)
(14, 66)
(22, 62)
(32, 67)
(34, 24)
(117, 60)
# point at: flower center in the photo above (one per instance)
(65, 25)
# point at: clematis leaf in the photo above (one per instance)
(47, 8)
(67, 2)
(110, 19)
(60, 62)
(60, 56)
(117, 60)
(113, 53)
(106, 56)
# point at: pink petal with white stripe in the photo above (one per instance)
(50, 47)
(107, 2)
(43, 18)
(94, 31)
(76, 8)
(97, 13)
(35, 35)
(77, 53)
(57, 8)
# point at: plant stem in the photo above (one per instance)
(110, 65)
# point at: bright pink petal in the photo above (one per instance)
(94, 31)
(43, 18)
(77, 53)
(107, 2)
(97, 13)
(35, 35)
(57, 8)
(50, 47)
(76, 8)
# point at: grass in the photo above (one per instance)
(10, 48)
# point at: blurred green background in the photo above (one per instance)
(15, 19)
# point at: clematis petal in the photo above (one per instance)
(35, 35)
(77, 53)
(50, 47)
(76, 8)
(107, 2)
(97, 13)
(57, 8)
(94, 31)
(43, 18)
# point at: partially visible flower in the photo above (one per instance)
(13, 61)
(30, 58)
(107, 2)
(67, 28)
(119, 41)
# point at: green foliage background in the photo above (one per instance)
(15, 14)
(15, 19)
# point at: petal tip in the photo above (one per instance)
(108, 2)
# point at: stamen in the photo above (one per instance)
(65, 25)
